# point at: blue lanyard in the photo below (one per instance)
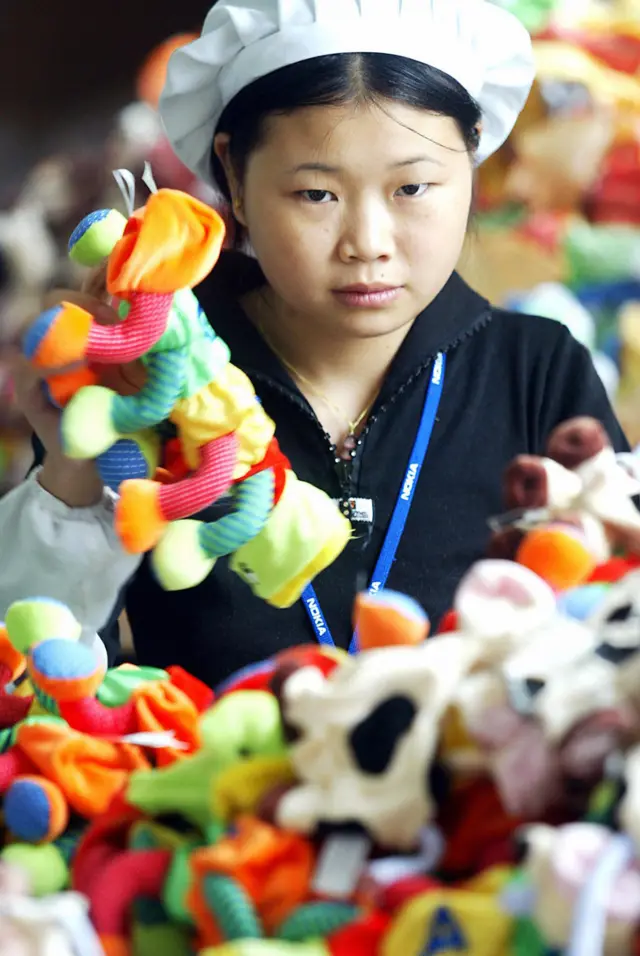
(400, 512)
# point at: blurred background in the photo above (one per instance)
(557, 229)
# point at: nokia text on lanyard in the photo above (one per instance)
(400, 512)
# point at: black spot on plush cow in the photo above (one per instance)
(364, 739)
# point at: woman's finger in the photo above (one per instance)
(23, 374)
(101, 311)
(95, 283)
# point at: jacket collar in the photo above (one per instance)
(456, 312)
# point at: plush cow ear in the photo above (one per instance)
(525, 483)
(576, 441)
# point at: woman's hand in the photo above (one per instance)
(76, 483)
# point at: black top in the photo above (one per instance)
(510, 379)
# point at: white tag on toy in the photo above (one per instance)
(147, 178)
(390, 869)
(127, 185)
(111, 498)
(156, 740)
(590, 915)
(522, 519)
(340, 865)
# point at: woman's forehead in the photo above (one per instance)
(384, 135)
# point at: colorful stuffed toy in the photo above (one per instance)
(281, 532)
(28, 624)
(558, 864)
(571, 511)
(68, 681)
(50, 770)
(365, 737)
(243, 755)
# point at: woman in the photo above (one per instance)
(347, 150)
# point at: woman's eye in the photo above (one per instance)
(317, 196)
(414, 189)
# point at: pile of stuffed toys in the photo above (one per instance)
(558, 225)
(472, 791)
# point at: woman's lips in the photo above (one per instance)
(367, 296)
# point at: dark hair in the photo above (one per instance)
(335, 80)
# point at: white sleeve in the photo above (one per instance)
(71, 555)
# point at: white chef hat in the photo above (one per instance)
(484, 47)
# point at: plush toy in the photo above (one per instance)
(73, 740)
(243, 755)
(69, 682)
(546, 173)
(28, 259)
(125, 895)
(371, 804)
(151, 885)
(555, 301)
(365, 737)
(559, 864)
(465, 917)
(13, 707)
(46, 865)
(257, 882)
(28, 623)
(281, 532)
(58, 925)
(154, 892)
(555, 709)
(572, 510)
(50, 770)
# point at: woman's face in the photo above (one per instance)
(357, 214)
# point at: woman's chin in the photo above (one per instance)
(375, 323)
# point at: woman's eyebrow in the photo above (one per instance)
(326, 168)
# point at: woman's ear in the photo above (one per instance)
(477, 136)
(221, 149)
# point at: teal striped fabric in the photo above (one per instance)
(155, 402)
(252, 506)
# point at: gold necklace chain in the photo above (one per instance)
(353, 426)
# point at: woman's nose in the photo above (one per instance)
(368, 234)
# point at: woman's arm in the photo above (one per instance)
(70, 554)
(571, 387)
